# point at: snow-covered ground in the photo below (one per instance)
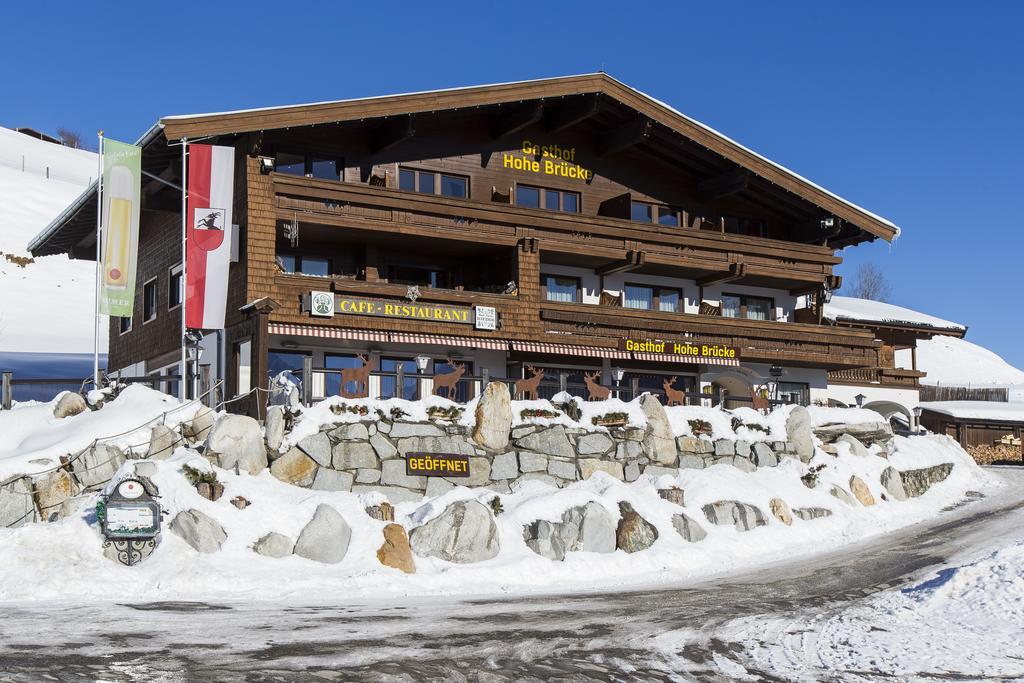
(50, 561)
(47, 305)
(963, 621)
(957, 362)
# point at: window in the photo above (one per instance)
(650, 298)
(795, 392)
(645, 212)
(124, 325)
(340, 361)
(327, 168)
(749, 307)
(305, 265)
(462, 387)
(389, 384)
(149, 301)
(431, 182)
(243, 367)
(546, 198)
(279, 361)
(561, 288)
(655, 384)
(174, 288)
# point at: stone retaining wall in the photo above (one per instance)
(370, 455)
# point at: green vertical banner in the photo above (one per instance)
(122, 183)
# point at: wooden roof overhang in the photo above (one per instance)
(624, 124)
(903, 335)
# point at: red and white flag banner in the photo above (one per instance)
(211, 189)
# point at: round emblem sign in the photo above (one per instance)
(130, 489)
(323, 303)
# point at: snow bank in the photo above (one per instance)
(51, 561)
(32, 439)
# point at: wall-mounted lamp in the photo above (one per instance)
(617, 374)
(860, 398)
(266, 165)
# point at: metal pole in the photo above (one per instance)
(184, 273)
(99, 265)
(307, 381)
(6, 391)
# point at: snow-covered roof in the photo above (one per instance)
(957, 362)
(978, 410)
(852, 309)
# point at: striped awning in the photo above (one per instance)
(673, 358)
(386, 337)
(569, 350)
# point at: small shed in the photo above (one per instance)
(976, 423)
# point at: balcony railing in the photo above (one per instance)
(898, 377)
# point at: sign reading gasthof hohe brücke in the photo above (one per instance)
(436, 465)
(685, 347)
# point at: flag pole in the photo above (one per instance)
(99, 265)
(183, 367)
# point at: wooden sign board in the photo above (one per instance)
(694, 349)
(437, 465)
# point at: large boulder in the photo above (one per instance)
(199, 530)
(860, 491)
(634, 533)
(799, 433)
(842, 494)
(273, 428)
(237, 440)
(325, 538)
(879, 432)
(688, 529)
(52, 490)
(295, 467)
(199, 426)
(743, 516)
(274, 545)
(465, 532)
(396, 551)
(551, 441)
(97, 465)
(588, 528)
(659, 444)
(162, 441)
(542, 537)
(780, 510)
(318, 447)
(856, 447)
(17, 506)
(493, 417)
(892, 482)
(69, 404)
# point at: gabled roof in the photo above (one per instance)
(878, 313)
(268, 118)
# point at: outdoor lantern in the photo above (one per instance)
(828, 296)
(775, 371)
(421, 363)
(917, 419)
(617, 374)
(860, 398)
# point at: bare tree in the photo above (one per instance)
(72, 138)
(871, 284)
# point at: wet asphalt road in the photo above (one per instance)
(658, 634)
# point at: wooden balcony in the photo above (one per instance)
(887, 377)
(687, 252)
(764, 341)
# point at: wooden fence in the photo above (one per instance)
(942, 393)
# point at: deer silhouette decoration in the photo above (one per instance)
(450, 380)
(675, 397)
(595, 392)
(361, 377)
(526, 388)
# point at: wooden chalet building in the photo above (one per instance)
(568, 224)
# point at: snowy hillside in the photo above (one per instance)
(47, 304)
(957, 362)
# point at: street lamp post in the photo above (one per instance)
(773, 384)
(617, 375)
(860, 398)
(917, 420)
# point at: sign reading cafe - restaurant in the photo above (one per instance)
(329, 305)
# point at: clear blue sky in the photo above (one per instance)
(914, 110)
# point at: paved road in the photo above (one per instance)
(614, 636)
